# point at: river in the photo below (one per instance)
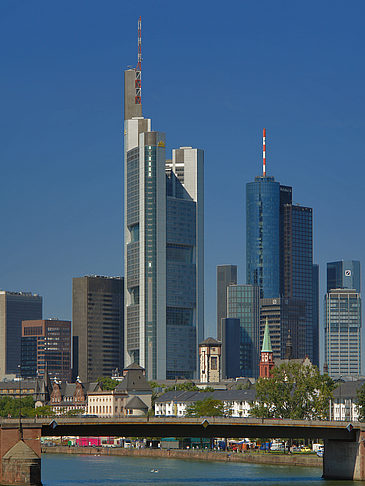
(77, 470)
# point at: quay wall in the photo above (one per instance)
(309, 460)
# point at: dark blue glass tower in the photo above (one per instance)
(263, 235)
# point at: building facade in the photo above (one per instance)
(343, 333)
(46, 348)
(163, 248)
(226, 275)
(210, 351)
(97, 325)
(285, 317)
(231, 331)
(243, 303)
(14, 308)
(344, 274)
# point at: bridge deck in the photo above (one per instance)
(189, 427)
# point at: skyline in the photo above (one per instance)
(62, 116)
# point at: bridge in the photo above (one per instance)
(344, 456)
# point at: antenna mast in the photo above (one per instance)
(138, 69)
(264, 152)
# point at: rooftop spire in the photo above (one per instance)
(138, 69)
(266, 345)
(264, 152)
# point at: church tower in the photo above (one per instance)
(267, 360)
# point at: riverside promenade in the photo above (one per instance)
(308, 460)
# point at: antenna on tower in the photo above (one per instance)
(138, 69)
(264, 152)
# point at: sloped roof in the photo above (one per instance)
(210, 342)
(134, 366)
(136, 403)
(266, 345)
(348, 389)
(134, 380)
(20, 451)
(194, 396)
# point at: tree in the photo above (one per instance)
(186, 386)
(208, 407)
(107, 383)
(10, 406)
(361, 403)
(294, 391)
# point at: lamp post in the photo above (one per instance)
(20, 402)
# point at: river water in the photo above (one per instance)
(78, 470)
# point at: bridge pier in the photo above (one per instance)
(20, 455)
(345, 459)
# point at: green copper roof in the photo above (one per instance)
(266, 345)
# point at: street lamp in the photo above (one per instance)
(20, 402)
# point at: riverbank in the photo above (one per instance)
(308, 460)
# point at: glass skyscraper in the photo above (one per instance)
(279, 250)
(343, 333)
(243, 303)
(263, 235)
(163, 248)
(344, 274)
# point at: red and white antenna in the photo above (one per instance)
(138, 69)
(264, 152)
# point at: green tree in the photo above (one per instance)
(208, 407)
(45, 411)
(107, 383)
(186, 386)
(361, 403)
(294, 391)
(10, 406)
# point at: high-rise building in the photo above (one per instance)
(344, 274)
(97, 325)
(14, 308)
(231, 337)
(46, 346)
(343, 333)
(226, 275)
(243, 303)
(315, 300)
(163, 246)
(279, 248)
(285, 318)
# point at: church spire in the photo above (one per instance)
(266, 344)
(267, 359)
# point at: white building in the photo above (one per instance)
(174, 403)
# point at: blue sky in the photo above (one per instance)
(214, 74)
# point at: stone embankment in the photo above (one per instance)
(310, 460)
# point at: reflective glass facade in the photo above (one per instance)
(343, 333)
(344, 274)
(243, 303)
(263, 235)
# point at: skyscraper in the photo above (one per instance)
(343, 274)
(279, 248)
(14, 308)
(46, 345)
(243, 303)
(97, 325)
(343, 333)
(163, 245)
(226, 275)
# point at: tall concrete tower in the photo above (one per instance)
(163, 245)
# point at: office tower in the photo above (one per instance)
(231, 330)
(210, 360)
(315, 300)
(344, 274)
(279, 248)
(97, 325)
(226, 275)
(286, 320)
(14, 308)
(163, 246)
(46, 347)
(343, 332)
(243, 303)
